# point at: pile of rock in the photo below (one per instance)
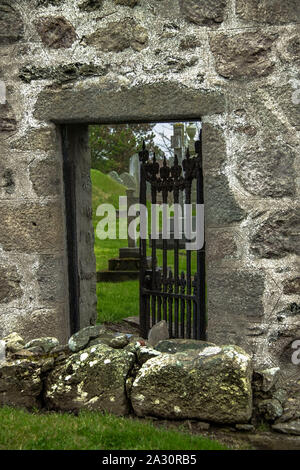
(119, 373)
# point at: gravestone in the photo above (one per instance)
(114, 175)
(128, 181)
(134, 170)
(191, 131)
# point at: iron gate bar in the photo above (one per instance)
(163, 294)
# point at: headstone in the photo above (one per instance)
(134, 170)
(114, 175)
(191, 131)
(128, 181)
(178, 145)
(178, 140)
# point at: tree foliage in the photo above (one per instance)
(113, 145)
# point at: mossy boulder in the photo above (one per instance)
(93, 379)
(210, 384)
(21, 383)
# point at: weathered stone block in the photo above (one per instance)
(203, 12)
(211, 384)
(7, 180)
(13, 342)
(40, 322)
(81, 339)
(62, 73)
(154, 102)
(221, 207)
(288, 97)
(94, 335)
(213, 147)
(44, 139)
(10, 281)
(31, 227)
(189, 42)
(269, 172)
(234, 294)
(113, 340)
(243, 55)
(118, 36)
(51, 278)
(173, 346)
(93, 379)
(291, 286)
(91, 5)
(270, 409)
(46, 178)
(277, 235)
(292, 427)
(269, 11)
(11, 24)
(289, 47)
(20, 384)
(127, 3)
(43, 345)
(8, 122)
(265, 380)
(220, 245)
(56, 32)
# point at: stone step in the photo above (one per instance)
(124, 264)
(117, 276)
(129, 252)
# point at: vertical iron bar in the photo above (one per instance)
(182, 303)
(188, 269)
(165, 259)
(170, 302)
(144, 321)
(176, 265)
(159, 308)
(153, 261)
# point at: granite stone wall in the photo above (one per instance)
(235, 64)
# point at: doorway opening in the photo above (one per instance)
(118, 225)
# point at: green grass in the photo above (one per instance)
(21, 430)
(117, 300)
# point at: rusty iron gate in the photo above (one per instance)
(177, 297)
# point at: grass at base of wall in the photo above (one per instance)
(21, 430)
